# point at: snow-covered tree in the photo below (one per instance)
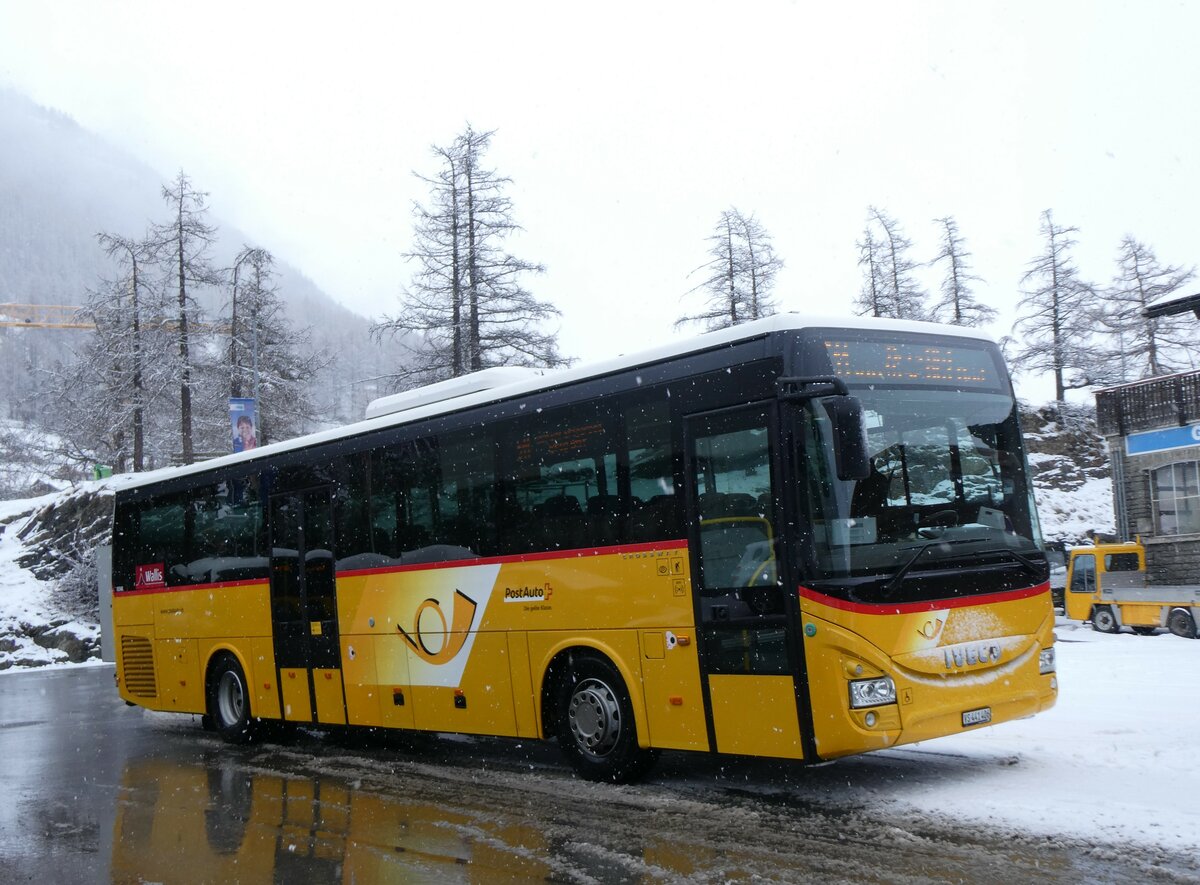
(958, 305)
(1053, 331)
(266, 356)
(739, 275)
(890, 287)
(466, 308)
(182, 245)
(1142, 346)
(109, 403)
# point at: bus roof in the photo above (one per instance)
(471, 390)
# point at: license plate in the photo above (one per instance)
(977, 717)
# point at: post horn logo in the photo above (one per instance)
(452, 638)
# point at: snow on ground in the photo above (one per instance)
(1114, 761)
(25, 602)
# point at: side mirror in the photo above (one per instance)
(849, 436)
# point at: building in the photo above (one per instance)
(1153, 433)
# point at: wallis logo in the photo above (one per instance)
(435, 640)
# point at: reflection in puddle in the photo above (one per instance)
(178, 822)
(181, 822)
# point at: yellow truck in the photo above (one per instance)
(1106, 584)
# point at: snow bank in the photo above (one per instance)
(1113, 761)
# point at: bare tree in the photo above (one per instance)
(1145, 346)
(182, 245)
(890, 288)
(740, 274)
(104, 401)
(871, 298)
(267, 357)
(959, 306)
(466, 308)
(1053, 330)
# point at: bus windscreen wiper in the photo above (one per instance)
(897, 579)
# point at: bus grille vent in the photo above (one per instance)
(138, 666)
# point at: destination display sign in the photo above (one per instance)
(896, 362)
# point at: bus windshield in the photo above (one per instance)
(947, 509)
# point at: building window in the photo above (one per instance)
(1175, 498)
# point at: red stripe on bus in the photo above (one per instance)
(903, 608)
(219, 585)
(450, 563)
(520, 557)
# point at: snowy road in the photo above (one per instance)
(1102, 788)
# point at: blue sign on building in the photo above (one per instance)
(1162, 440)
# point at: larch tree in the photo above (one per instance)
(1053, 331)
(182, 245)
(958, 306)
(739, 275)
(466, 308)
(890, 287)
(267, 357)
(106, 402)
(1143, 346)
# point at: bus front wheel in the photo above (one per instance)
(229, 700)
(1104, 620)
(594, 722)
(1180, 623)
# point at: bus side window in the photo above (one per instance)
(1083, 573)
(560, 491)
(653, 502)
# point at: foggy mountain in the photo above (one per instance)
(59, 186)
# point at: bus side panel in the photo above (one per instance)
(213, 611)
(524, 707)
(737, 700)
(671, 680)
(482, 703)
(265, 693)
(181, 685)
(364, 702)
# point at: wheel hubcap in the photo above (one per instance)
(595, 717)
(231, 698)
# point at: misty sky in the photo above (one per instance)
(627, 128)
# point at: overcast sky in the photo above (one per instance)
(628, 127)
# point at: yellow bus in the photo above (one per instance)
(793, 538)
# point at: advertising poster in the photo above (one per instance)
(243, 423)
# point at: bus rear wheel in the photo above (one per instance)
(594, 722)
(229, 700)
(1180, 623)
(1104, 620)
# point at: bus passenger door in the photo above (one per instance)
(304, 607)
(747, 644)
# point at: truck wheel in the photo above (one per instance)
(1180, 623)
(1104, 620)
(229, 700)
(594, 722)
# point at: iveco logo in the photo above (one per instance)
(972, 653)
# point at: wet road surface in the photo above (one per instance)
(96, 792)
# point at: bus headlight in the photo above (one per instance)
(1046, 661)
(872, 692)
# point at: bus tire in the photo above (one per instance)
(1180, 622)
(594, 722)
(229, 700)
(1103, 620)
